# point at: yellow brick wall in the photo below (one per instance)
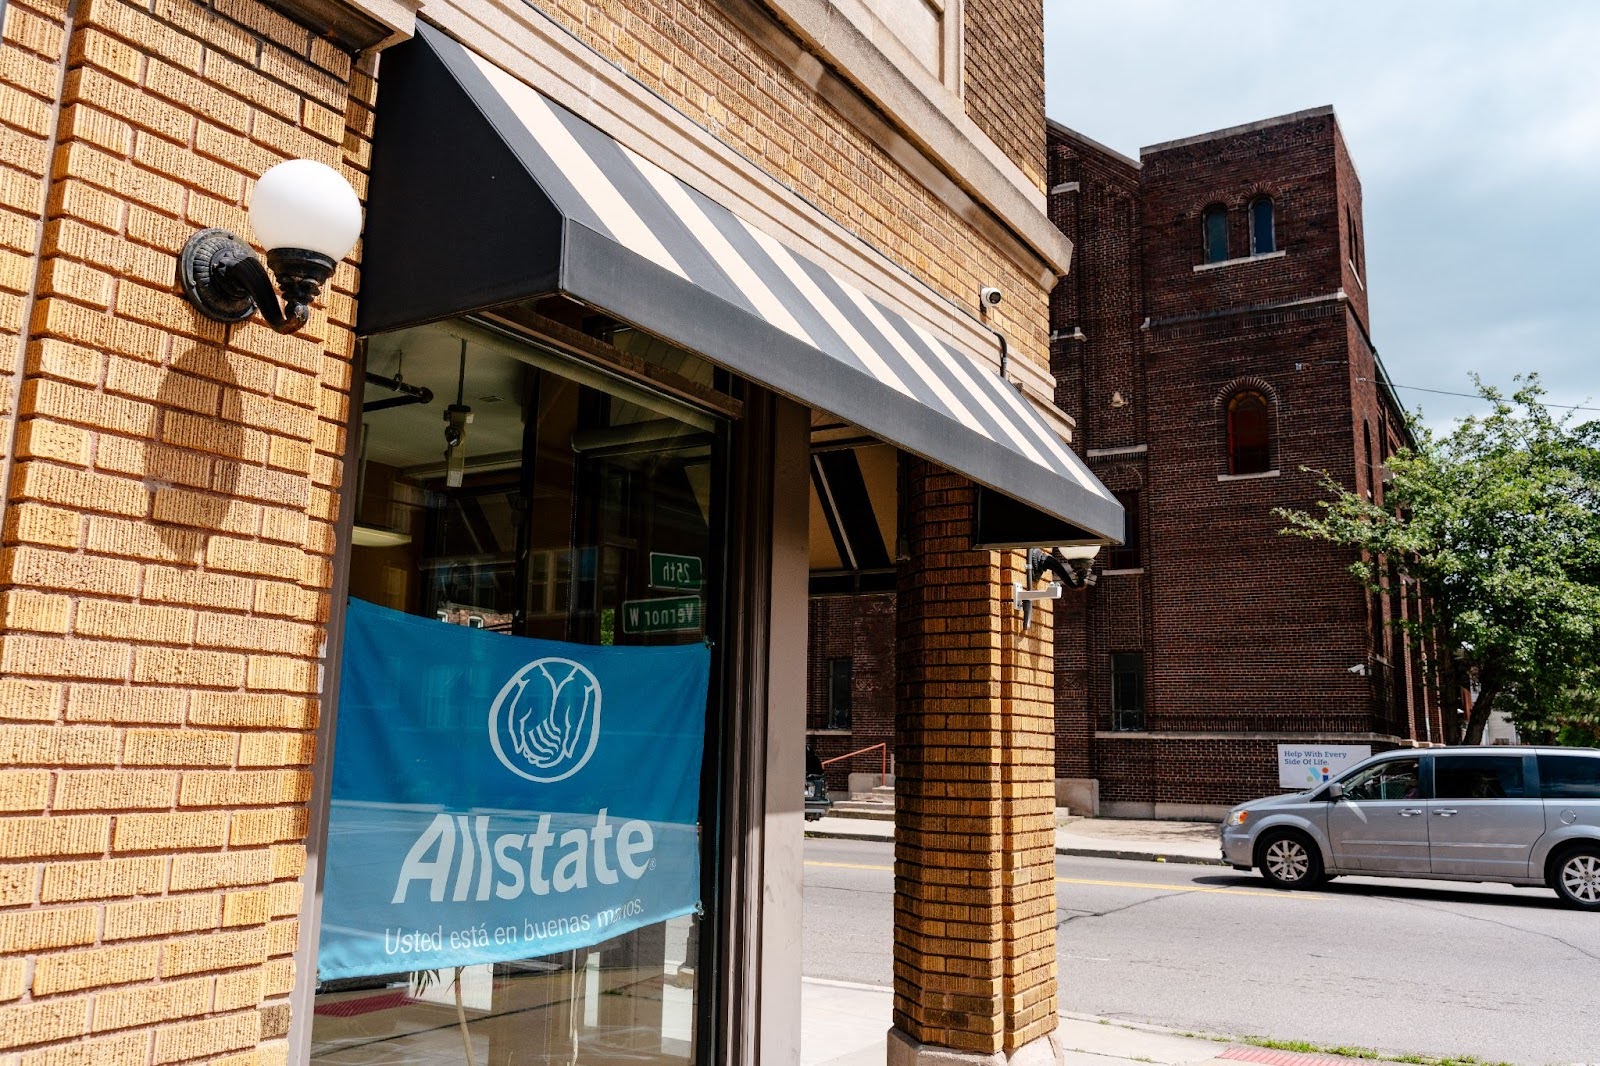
(974, 951)
(701, 61)
(167, 530)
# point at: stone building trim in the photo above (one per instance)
(1234, 131)
(355, 24)
(931, 112)
(1200, 268)
(536, 49)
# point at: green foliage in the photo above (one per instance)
(1498, 523)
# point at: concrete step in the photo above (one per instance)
(867, 812)
(867, 799)
(883, 790)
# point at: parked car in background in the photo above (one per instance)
(817, 801)
(1519, 816)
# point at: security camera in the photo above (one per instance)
(989, 296)
(1359, 669)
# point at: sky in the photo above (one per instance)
(1475, 127)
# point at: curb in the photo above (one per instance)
(1084, 853)
(833, 834)
(1140, 856)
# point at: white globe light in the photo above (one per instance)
(304, 204)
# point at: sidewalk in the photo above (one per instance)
(847, 1024)
(1101, 838)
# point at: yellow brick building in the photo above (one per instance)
(664, 250)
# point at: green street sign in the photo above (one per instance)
(671, 614)
(675, 571)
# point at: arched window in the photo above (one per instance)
(1263, 235)
(1249, 444)
(1214, 232)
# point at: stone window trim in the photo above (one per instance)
(530, 45)
(355, 24)
(934, 115)
(1279, 254)
(1233, 452)
(869, 16)
(930, 109)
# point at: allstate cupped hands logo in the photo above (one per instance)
(545, 722)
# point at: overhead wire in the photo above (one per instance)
(1477, 396)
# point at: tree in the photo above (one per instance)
(1498, 523)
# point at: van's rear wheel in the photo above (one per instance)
(1288, 859)
(1575, 875)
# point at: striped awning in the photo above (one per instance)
(484, 192)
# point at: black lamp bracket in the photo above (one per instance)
(222, 277)
(1068, 575)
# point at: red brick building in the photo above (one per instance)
(1213, 344)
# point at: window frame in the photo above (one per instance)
(1347, 782)
(1234, 448)
(1130, 554)
(839, 713)
(1122, 716)
(742, 480)
(1481, 760)
(1272, 225)
(1209, 251)
(1546, 761)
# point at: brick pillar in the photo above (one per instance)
(974, 938)
(168, 530)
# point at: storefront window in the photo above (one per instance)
(510, 489)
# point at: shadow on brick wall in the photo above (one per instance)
(194, 472)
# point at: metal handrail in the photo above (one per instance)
(884, 745)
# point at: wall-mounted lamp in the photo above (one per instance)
(307, 217)
(1073, 567)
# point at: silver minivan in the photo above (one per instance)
(1522, 816)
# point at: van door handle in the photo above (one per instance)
(1410, 812)
(1445, 812)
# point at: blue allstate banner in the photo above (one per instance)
(499, 798)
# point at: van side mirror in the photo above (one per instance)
(1335, 792)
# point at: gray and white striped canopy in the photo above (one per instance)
(512, 195)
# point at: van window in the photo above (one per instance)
(1570, 776)
(1396, 779)
(1477, 777)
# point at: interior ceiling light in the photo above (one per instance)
(378, 537)
(307, 217)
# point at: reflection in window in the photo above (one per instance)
(1214, 233)
(1127, 690)
(1263, 232)
(1570, 776)
(1397, 779)
(572, 480)
(1249, 442)
(1463, 777)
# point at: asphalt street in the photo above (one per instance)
(1420, 967)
